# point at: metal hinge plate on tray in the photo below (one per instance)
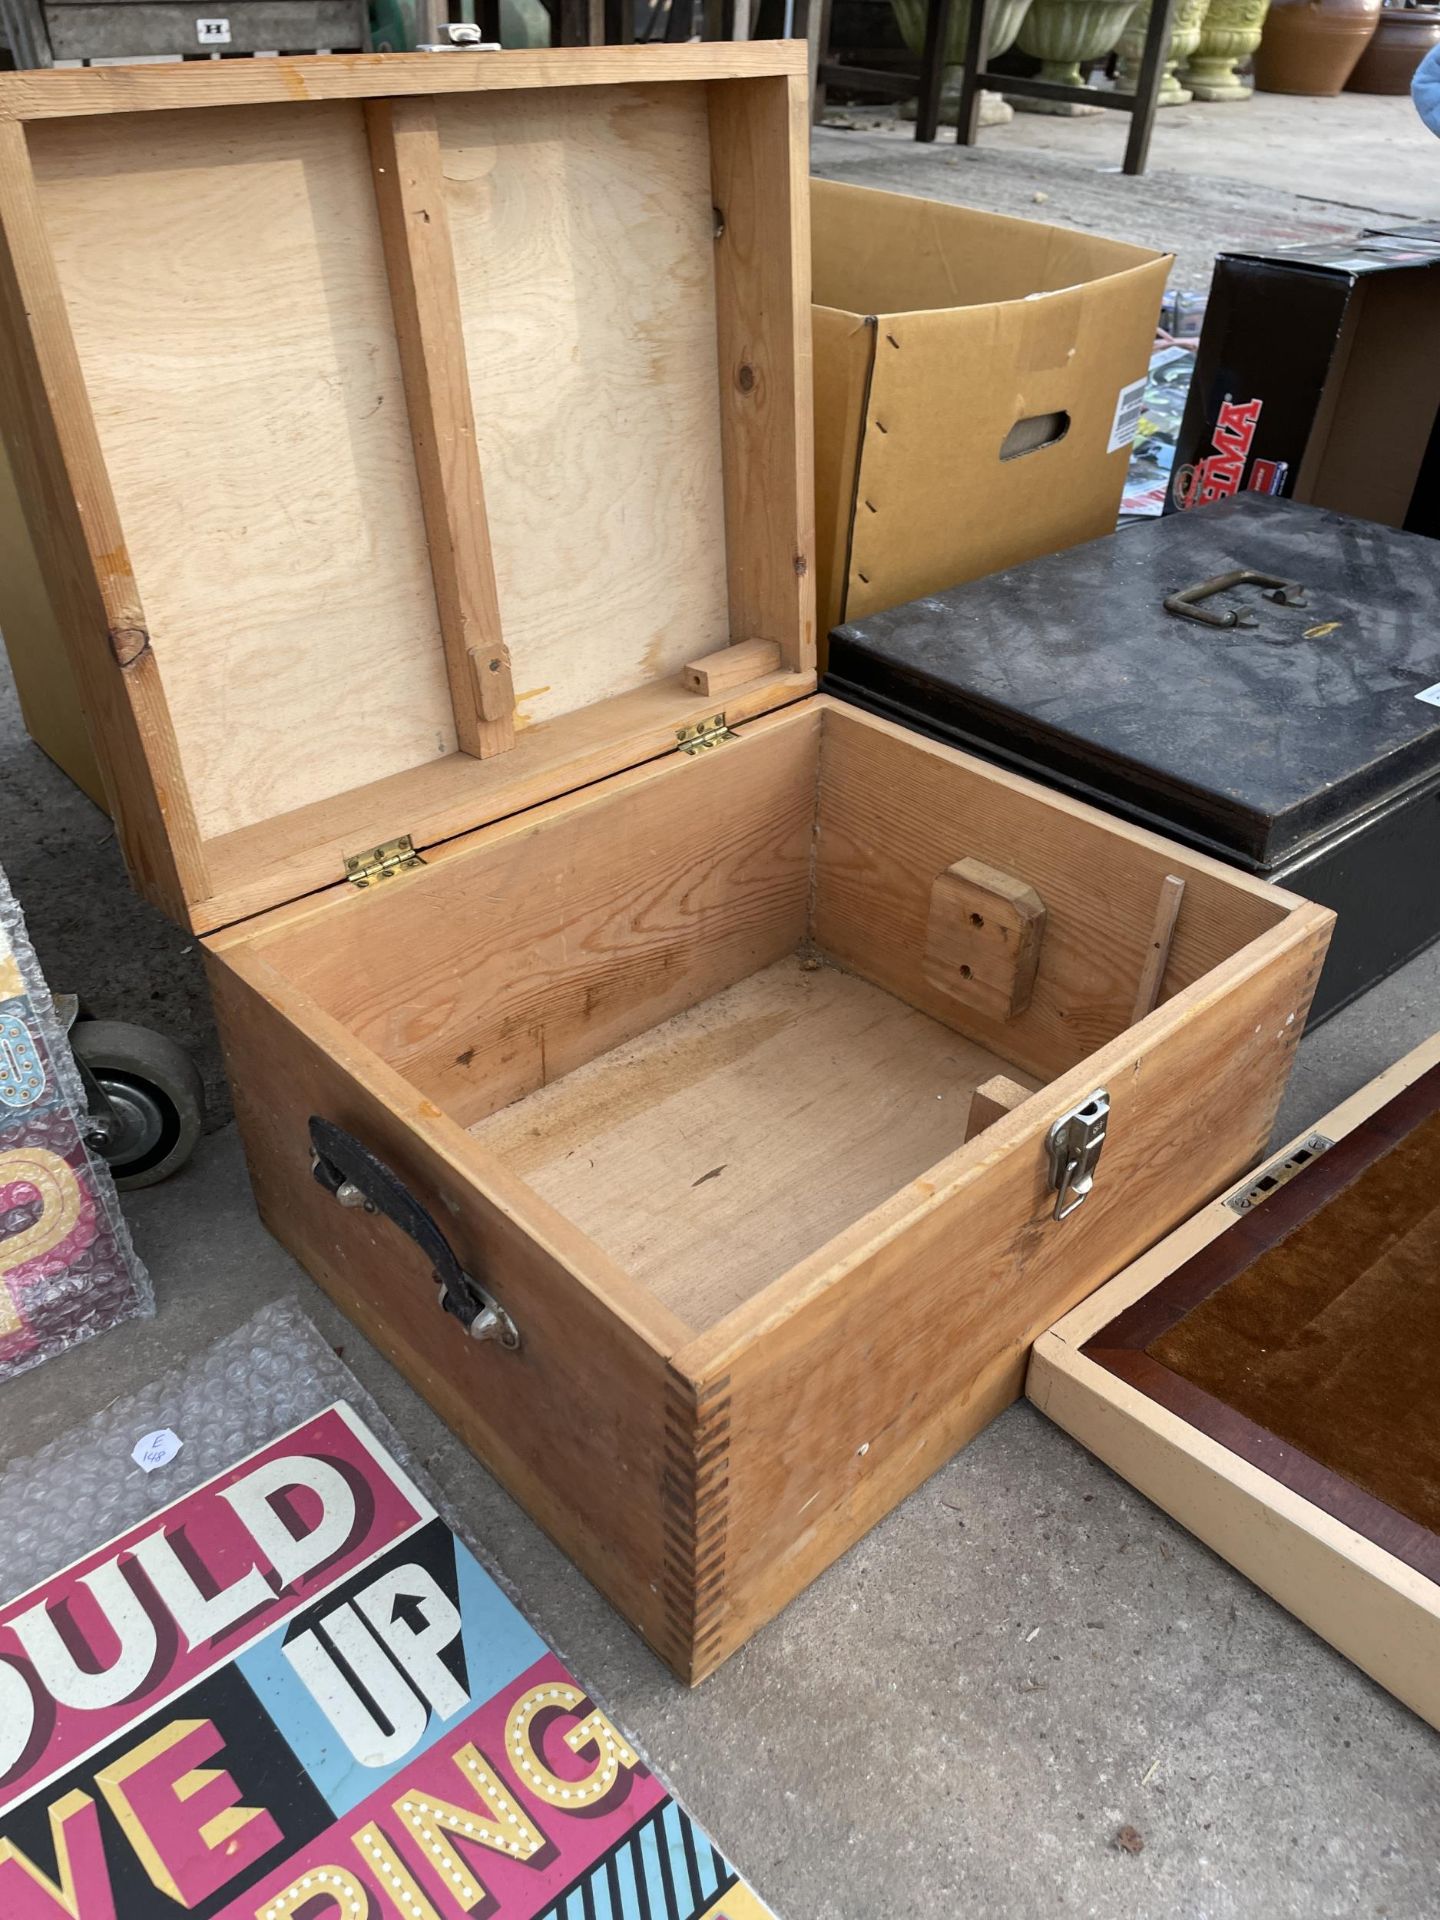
(368, 869)
(704, 735)
(1270, 1179)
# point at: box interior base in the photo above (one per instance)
(682, 1152)
(1331, 1339)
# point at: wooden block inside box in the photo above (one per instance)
(982, 942)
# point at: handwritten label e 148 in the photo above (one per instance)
(157, 1449)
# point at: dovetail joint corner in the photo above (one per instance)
(695, 1492)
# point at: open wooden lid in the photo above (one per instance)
(399, 429)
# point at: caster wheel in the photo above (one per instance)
(156, 1100)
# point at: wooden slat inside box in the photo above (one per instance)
(351, 393)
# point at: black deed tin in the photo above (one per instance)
(1290, 728)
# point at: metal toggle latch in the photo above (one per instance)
(1074, 1144)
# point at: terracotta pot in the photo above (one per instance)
(1184, 39)
(1066, 35)
(1231, 32)
(1311, 46)
(1005, 19)
(1402, 39)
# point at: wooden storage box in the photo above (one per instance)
(1268, 1375)
(424, 447)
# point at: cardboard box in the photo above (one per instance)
(978, 382)
(1317, 377)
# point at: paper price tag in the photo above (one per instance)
(1128, 408)
(157, 1449)
(212, 33)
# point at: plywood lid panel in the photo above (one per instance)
(228, 327)
(228, 298)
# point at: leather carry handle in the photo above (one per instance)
(1285, 593)
(346, 1168)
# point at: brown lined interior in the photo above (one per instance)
(1331, 1339)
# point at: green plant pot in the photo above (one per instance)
(1231, 32)
(1066, 35)
(1005, 22)
(1184, 39)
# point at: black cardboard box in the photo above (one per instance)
(1300, 743)
(1318, 378)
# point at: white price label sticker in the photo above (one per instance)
(1430, 695)
(213, 33)
(157, 1449)
(1127, 414)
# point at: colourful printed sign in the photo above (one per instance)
(66, 1266)
(294, 1695)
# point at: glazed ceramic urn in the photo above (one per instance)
(1066, 37)
(1311, 46)
(1006, 17)
(1184, 39)
(1231, 32)
(1403, 36)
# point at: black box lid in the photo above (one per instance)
(1253, 740)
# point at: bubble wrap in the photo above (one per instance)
(82, 1487)
(67, 1268)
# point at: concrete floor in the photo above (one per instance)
(1273, 172)
(1023, 1658)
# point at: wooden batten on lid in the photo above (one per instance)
(407, 440)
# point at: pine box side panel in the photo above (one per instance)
(849, 1384)
(574, 1422)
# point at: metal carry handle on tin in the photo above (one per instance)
(1184, 604)
(346, 1168)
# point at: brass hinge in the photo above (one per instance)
(709, 733)
(381, 863)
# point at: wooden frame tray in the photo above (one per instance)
(1363, 1574)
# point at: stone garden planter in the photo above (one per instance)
(1066, 36)
(1006, 17)
(1231, 32)
(1184, 39)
